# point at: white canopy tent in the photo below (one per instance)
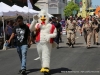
(30, 10)
(6, 11)
(25, 11)
(20, 10)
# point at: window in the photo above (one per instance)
(53, 10)
(63, 1)
(53, 5)
(54, 0)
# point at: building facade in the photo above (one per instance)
(54, 7)
(70, 0)
(89, 3)
(79, 2)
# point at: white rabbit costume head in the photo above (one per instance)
(43, 17)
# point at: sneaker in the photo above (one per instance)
(72, 46)
(68, 44)
(57, 47)
(60, 41)
(97, 43)
(23, 71)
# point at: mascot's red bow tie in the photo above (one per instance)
(43, 23)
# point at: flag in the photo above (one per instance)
(29, 4)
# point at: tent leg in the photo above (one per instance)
(3, 28)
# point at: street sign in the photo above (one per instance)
(74, 12)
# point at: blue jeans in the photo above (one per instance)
(22, 52)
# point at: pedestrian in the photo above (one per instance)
(71, 33)
(8, 31)
(87, 29)
(1, 29)
(58, 27)
(80, 23)
(95, 26)
(22, 33)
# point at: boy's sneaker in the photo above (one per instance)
(23, 71)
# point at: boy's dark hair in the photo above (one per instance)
(19, 17)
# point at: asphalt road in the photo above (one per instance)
(64, 61)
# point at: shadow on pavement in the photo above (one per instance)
(71, 47)
(52, 71)
(32, 70)
(79, 43)
(78, 46)
(24, 74)
(63, 47)
(92, 47)
(61, 42)
(59, 70)
(98, 43)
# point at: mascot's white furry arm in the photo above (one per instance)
(45, 32)
(32, 26)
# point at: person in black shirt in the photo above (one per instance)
(59, 30)
(22, 33)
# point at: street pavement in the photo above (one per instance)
(64, 61)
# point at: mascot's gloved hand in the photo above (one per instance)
(32, 26)
(35, 17)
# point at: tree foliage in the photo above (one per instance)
(70, 8)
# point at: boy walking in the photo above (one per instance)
(22, 33)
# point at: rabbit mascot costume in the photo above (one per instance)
(45, 32)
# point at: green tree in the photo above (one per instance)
(70, 8)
